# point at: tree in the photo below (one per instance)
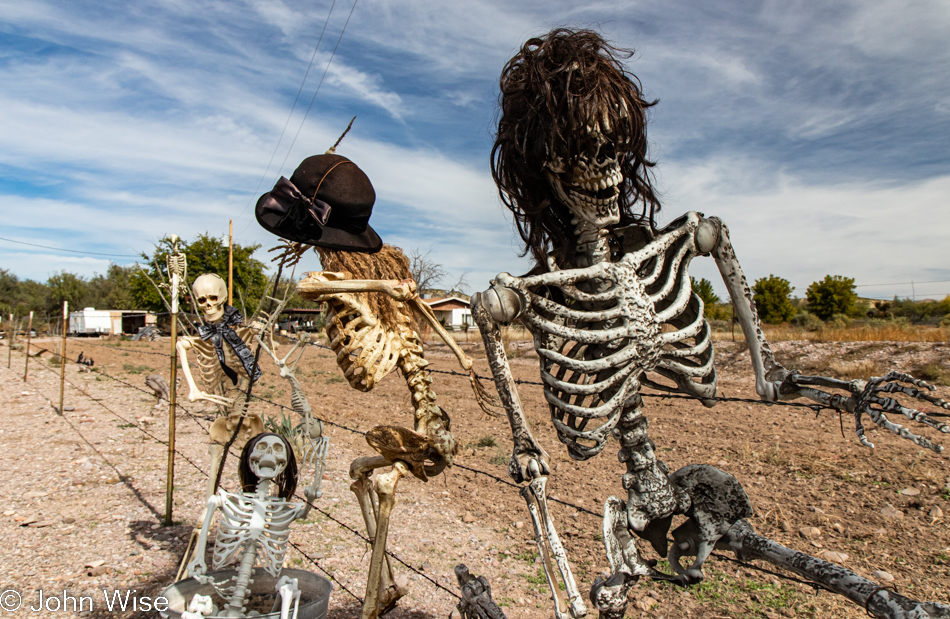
(703, 288)
(66, 287)
(206, 254)
(772, 296)
(426, 272)
(112, 290)
(833, 295)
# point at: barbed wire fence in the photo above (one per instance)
(197, 419)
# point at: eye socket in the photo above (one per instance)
(213, 298)
(278, 447)
(202, 299)
(260, 447)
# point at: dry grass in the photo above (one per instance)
(857, 333)
(857, 369)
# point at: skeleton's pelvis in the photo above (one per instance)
(223, 428)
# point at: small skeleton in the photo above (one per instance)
(254, 525)
(216, 352)
(310, 429)
(611, 309)
(371, 338)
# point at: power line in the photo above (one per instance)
(933, 281)
(74, 251)
(322, 77)
(290, 115)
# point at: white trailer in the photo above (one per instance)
(91, 321)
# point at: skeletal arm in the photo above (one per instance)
(773, 382)
(501, 305)
(713, 236)
(197, 567)
(326, 283)
(194, 393)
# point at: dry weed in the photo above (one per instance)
(857, 369)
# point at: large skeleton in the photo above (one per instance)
(612, 310)
(368, 347)
(255, 526)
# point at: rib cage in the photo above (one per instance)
(209, 368)
(366, 350)
(603, 330)
(263, 522)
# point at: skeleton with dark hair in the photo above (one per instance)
(610, 306)
(254, 526)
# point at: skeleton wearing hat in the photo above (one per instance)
(611, 309)
(371, 323)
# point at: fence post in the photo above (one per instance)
(175, 272)
(29, 334)
(62, 369)
(11, 334)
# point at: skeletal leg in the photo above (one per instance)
(716, 502)
(385, 486)
(879, 602)
(289, 592)
(549, 545)
(476, 602)
(388, 592)
(609, 597)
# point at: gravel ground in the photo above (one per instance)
(84, 493)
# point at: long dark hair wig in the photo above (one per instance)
(286, 482)
(551, 91)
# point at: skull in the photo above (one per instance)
(268, 459)
(210, 293)
(591, 188)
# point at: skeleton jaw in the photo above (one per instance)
(591, 195)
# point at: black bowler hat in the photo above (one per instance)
(327, 202)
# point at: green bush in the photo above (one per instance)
(833, 295)
(772, 296)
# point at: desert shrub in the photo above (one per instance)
(772, 296)
(833, 295)
(806, 320)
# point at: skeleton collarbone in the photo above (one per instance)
(600, 329)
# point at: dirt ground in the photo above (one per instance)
(83, 494)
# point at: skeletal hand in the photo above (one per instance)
(526, 467)
(290, 252)
(897, 382)
(866, 399)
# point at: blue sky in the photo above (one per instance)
(819, 132)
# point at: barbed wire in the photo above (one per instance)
(817, 408)
(130, 424)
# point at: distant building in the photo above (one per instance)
(301, 319)
(91, 321)
(453, 312)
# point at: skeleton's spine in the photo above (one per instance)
(236, 605)
(298, 400)
(649, 493)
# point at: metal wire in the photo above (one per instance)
(817, 408)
